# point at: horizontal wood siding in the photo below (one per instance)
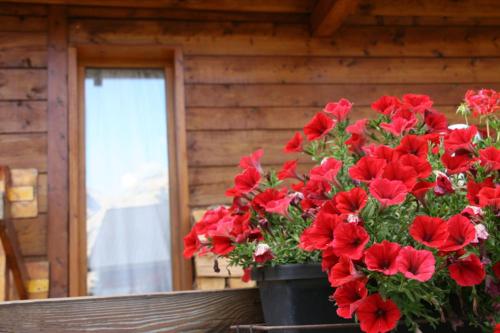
(23, 113)
(252, 84)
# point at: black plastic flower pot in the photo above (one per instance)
(296, 294)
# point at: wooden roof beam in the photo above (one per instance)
(328, 16)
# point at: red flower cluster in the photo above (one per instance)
(384, 206)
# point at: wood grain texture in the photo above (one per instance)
(19, 9)
(224, 69)
(32, 234)
(209, 38)
(460, 8)
(23, 84)
(282, 6)
(306, 95)
(18, 117)
(22, 23)
(189, 311)
(328, 16)
(57, 169)
(23, 49)
(28, 150)
(437, 21)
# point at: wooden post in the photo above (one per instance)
(57, 228)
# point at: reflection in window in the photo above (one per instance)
(128, 233)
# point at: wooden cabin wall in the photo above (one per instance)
(251, 80)
(252, 84)
(23, 118)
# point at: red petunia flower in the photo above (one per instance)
(430, 231)
(421, 166)
(279, 206)
(461, 233)
(381, 257)
(496, 270)
(367, 169)
(490, 197)
(339, 110)
(468, 271)
(252, 161)
(399, 125)
(348, 297)
(191, 244)
(436, 122)
(483, 102)
(343, 272)
(473, 189)
(376, 315)
(295, 144)
(319, 126)
(443, 184)
(421, 188)
(386, 105)
(289, 170)
(350, 240)
(456, 163)
(490, 158)
(222, 245)
(245, 182)
(358, 127)
(397, 171)
(418, 103)
(356, 143)
(263, 253)
(416, 264)
(413, 144)
(328, 259)
(260, 201)
(385, 153)
(319, 235)
(388, 192)
(460, 139)
(352, 201)
(326, 171)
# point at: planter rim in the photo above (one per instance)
(288, 272)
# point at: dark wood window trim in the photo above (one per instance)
(170, 58)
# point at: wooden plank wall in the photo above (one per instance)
(23, 117)
(252, 84)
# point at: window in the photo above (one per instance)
(128, 193)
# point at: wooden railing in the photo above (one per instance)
(186, 311)
(9, 241)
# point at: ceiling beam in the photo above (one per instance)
(328, 16)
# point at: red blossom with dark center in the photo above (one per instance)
(252, 161)
(416, 264)
(386, 153)
(386, 105)
(418, 103)
(191, 244)
(473, 189)
(318, 127)
(261, 200)
(222, 245)
(456, 163)
(381, 257)
(490, 158)
(490, 197)
(413, 144)
(421, 188)
(421, 165)
(399, 125)
(328, 259)
(246, 181)
(351, 202)
(295, 144)
(430, 231)
(468, 271)
(339, 110)
(436, 122)
(289, 170)
(403, 173)
(460, 139)
(319, 235)
(388, 192)
(350, 240)
(326, 171)
(461, 233)
(376, 315)
(356, 143)
(348, 297)
(343, 272)
(367, 169)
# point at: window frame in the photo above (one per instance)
(127, 56)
